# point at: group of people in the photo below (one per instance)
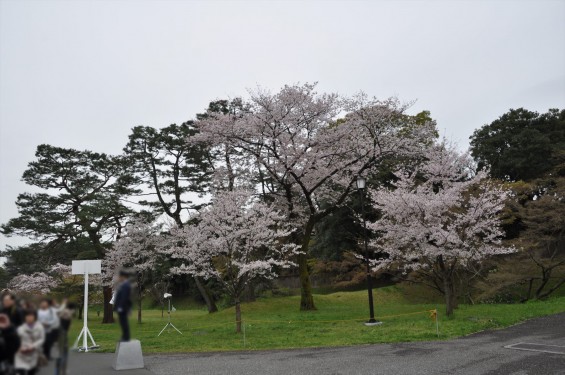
(28, 334)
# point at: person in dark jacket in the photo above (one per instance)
(122, 303)
(10, 308)
(9, 344)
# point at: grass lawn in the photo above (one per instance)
(276, 323)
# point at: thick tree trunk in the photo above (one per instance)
(108, 309)
(139, 307)
(306, 297)
(237, 316)
(206, 295)
(545, 277)
(450, 295)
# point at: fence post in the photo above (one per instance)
(437, 324)
(244, 338)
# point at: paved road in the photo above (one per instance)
(482, 353)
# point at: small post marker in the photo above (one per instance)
(437, 323)
(86, 267)
(244, 340)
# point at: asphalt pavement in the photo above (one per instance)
(536, 347)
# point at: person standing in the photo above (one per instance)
(122, 303)
(65, 317)
(10, 308)
(9, 345)
(47, 316)
(32, 337)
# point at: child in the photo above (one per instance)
(32, 336)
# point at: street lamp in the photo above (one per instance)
(361, 183)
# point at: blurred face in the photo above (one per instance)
(43, 305)
(30, 318)
(7, 301)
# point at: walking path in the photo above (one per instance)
(535, 347)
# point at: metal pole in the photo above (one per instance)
(437, 324)
(85, 312)
(372, 319)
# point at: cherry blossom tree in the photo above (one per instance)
(36, 283)
(311, 157)
(439, 218)
(237, 240)
(136, 250)
(41, 282)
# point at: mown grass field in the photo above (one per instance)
(276, 323)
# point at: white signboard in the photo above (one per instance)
(80, 267)
(86, 267)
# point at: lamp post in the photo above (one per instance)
(361, 183)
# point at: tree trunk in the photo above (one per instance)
(108, 309)
(545, 277)
(450, 295)
(139, 305)
(529, 293)
(206, 295)
(306, 297)
(237, 316)
(553, 289)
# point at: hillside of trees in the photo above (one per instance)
(259, 193)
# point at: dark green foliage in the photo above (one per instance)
(335, 234)
(82, 193)
(4, 278)
(521, 144)
(175, 170)
(38, 257)
(528, 148)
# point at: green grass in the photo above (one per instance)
(276, 323)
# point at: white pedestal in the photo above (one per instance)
(128, 356)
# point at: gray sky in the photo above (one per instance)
(82, 73)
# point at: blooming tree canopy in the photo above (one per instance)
(136, 250)
(237, 239)
(439, 218)
(36, 283)
(41, 282)
(311, 157)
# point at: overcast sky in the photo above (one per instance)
(81, 74)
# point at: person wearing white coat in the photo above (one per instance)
(48, 316)
(32, 336)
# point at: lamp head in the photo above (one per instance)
(361, 182)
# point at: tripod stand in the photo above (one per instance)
(169, 324)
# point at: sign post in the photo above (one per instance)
(86, 267)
